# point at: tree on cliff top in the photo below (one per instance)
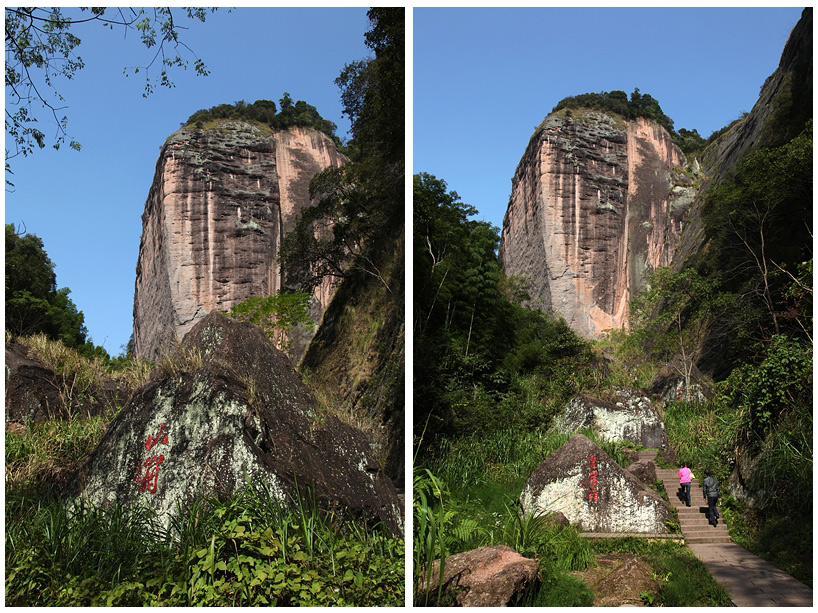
(297, 113)
(640, 105)
(41, 49)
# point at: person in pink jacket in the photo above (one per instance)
(685, 477)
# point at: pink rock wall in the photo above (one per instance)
(220, 203)
(593, 209)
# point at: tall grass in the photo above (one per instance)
(249, 549)
(466, 496)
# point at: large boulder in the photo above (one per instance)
(225, 409)
(581, 481)
(493, 576)
(632, 418)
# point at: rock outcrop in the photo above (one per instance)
(591, 490)
(495, 576)
(232, 410)
(35, 392)
(596, 203)
(222, 198)
(632, 418)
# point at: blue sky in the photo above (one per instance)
(485, 78)
(86, 206)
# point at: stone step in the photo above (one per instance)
(711, 540)
(705, 530)
(693, 519)
(647, 535)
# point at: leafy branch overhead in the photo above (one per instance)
(41, 52)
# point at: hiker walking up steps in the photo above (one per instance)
(711, 494)
(685, 477)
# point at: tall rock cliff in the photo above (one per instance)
(221, 200)
(783, 107)
(596, 203)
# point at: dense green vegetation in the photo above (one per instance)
(277, 315)
(246, 550)
(616, 101)
(358, 217)
(33, 302)
(490, 375)
(290, 113)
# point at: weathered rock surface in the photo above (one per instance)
(34, 392)
(494, 576)
(220, 203)
(596, 203)
(31, 388)
(633, 418)
(644, 470)
(591, 490)
(618, 580)
(233, 410)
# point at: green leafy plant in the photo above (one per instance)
(277, 315)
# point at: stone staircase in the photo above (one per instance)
(693, 519)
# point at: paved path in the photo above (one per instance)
(749, 580)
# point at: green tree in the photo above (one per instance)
(41, 51)
(358, 210)
(674, 314)
(33, 302)
(759, 225)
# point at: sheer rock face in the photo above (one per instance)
(221, 200)
(596, 203)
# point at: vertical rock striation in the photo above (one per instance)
(221, 200)
(596, 203)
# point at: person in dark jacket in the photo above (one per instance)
(710, 488)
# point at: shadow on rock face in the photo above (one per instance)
(231, 409)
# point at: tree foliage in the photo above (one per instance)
(759, 228)
(480, 356)
(41, 52)
(358, 209)
(264, 111)
(33, 302)
(639, 105)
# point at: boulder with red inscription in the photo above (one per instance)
(226, 409)
(494, 576)
(586, 485)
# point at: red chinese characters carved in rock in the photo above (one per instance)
(592, 491)
(149, 481)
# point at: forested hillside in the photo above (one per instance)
(731, 316)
